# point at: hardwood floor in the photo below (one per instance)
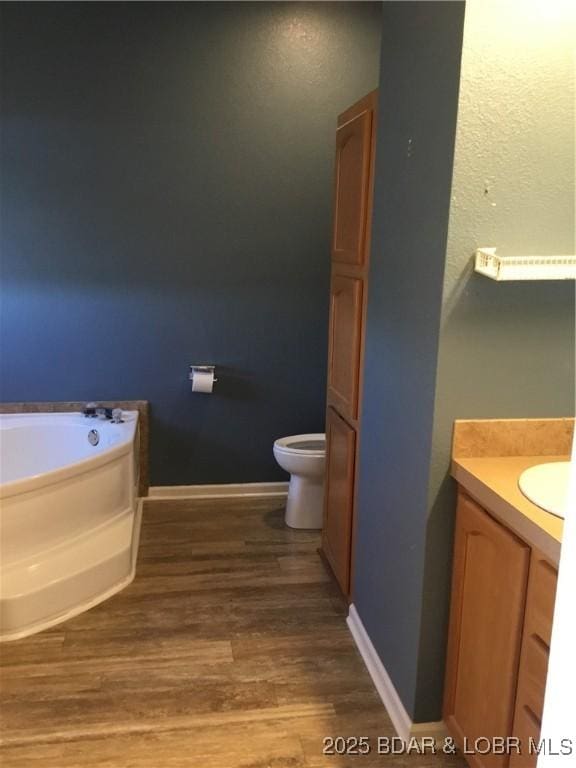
(229, 650)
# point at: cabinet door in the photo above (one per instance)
(353, 152)
(487, 611)
(344, 344)
(337, 530)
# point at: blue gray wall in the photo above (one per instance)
(421, 49)
(166, 199)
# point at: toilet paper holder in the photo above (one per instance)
(201, 369)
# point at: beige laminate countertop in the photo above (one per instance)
(493, 482)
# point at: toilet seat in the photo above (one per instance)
(302, 445)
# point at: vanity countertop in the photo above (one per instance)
(488, 457)
(493, 482)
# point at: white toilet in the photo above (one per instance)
(303, 456)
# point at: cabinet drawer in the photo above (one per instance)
(533, 671)
(541, 597)
(527, 729)
(533, 668)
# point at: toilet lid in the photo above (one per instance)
(308, 445)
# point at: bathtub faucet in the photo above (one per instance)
(117, 416)
(95, 411)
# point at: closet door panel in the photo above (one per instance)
(344, 344)
(353, 151)
(337, 530)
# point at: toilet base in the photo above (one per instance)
(305, 505)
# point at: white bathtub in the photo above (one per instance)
(69, 516)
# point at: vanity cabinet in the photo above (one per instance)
(499, 634)
(354, 171)
(488, 595)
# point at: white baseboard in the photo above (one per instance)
(401, 720)
(229, 490)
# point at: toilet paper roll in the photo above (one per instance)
(202, 381)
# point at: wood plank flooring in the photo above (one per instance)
(229, 650)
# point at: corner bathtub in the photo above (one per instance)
(69, 516)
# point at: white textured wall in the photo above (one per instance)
(508, 349)
(514, 168)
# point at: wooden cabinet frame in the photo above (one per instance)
(353, 190)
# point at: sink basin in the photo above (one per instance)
(546, 485)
